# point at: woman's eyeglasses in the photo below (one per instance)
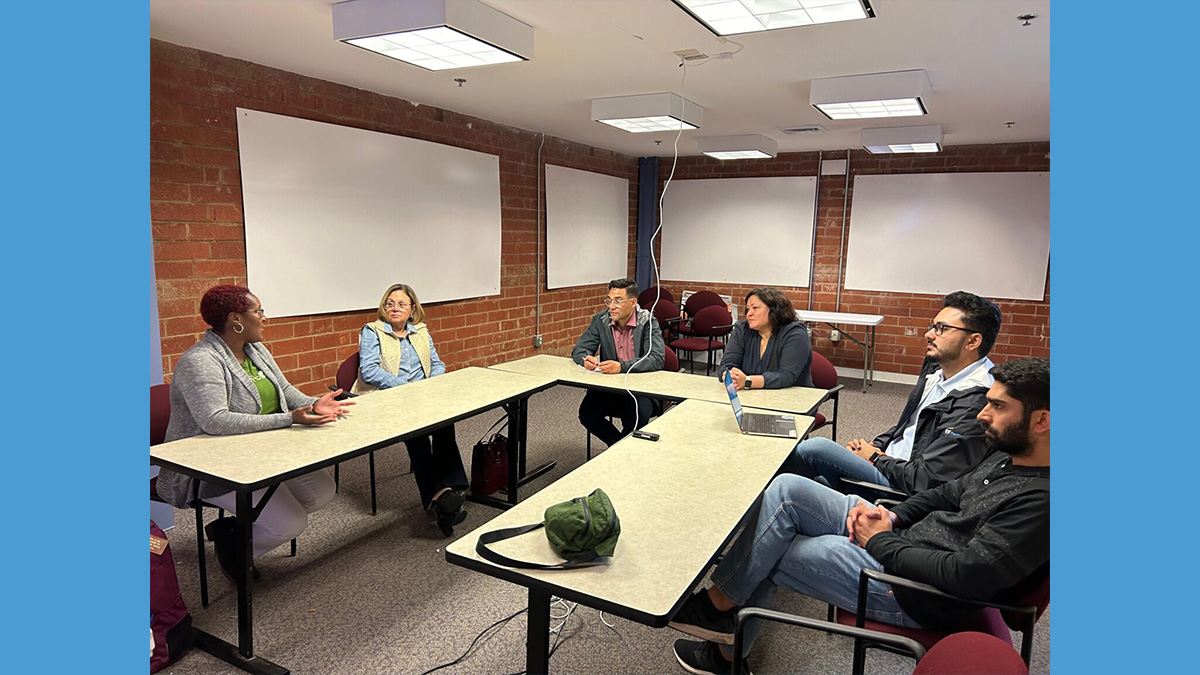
(401, 306)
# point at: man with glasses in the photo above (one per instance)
(621, 338)
(937, 438)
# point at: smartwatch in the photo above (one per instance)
(874, 456)
(746, 382)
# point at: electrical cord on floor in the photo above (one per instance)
(477, 638)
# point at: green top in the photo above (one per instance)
(266, 390)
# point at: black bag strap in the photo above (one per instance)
(489, 431)
(510, 532)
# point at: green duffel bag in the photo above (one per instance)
(582, 530)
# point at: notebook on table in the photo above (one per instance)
(759, 424)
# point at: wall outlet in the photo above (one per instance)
(537, 340)
(909, 332)
(835, 335)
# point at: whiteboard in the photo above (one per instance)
(755, 231)
(987, 233)
(335, 215)
(587, 227)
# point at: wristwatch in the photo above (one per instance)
(746, 382)
(874, 456)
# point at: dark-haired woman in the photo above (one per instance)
(394, 350)
(770, 348)
(228, 383)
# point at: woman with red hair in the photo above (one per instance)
(228, 384)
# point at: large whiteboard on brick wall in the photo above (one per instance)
(987, 233)
(587, 227)
(334, 215)
(755, 231)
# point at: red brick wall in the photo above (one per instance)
(1026, 329)
(196, 213)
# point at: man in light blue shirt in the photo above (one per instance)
(938, 437)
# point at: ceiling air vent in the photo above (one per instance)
(808, 129)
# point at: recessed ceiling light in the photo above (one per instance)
(897, 140)
(433, 34)
(897, 94)
(648, 112)
(750, 146)
(734, 17)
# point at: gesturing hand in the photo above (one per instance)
(307, 415)
(329, 405)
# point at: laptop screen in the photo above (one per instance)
(733, 398)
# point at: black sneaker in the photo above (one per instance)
(703, 658)
(700, 618)
(220, 533)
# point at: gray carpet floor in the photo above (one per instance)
(375, 594)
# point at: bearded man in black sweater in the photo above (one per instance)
(974, 537)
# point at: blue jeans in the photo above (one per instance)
(800, 542)
(825, 461)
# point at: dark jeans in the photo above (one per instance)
(436, 463)
(598, 405)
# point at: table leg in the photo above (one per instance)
(243, 655)
(537, 637)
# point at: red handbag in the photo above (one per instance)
(489, 461)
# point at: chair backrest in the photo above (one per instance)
(699, 300)
(160, 412)
(824, 375)
(646, 297)
(706, 321)
(971, 653)
(347, 373)
(670, 360)
(664, 311)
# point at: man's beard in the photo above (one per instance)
(1013, 441)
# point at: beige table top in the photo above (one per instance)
(375, 420)
(665, 384)
(679, 500)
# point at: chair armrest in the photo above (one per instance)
(887, 502)
(344, 395)
(747, 613)
(872, 491)
(903, 582)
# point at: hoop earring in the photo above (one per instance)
(238, 328)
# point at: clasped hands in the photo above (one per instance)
(325, 410)
(606, 367)
(865, 521)
(863, 448)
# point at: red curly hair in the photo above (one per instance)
(219, 301)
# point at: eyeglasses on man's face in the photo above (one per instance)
(402, 306)
(609, 302)
(939, 328)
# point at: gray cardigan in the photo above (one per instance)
(212, 394)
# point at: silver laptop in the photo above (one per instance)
(759, 424)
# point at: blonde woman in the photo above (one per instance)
(394, 350)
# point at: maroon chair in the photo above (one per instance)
(347, 373)
(646, 297)
(710, 323)
(160, 416)
(696, 302)
(971, 653)
(824, 376)
(1018, 610)
(966, 653)
(667, 315)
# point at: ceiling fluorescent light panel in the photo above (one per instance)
(734, 17)
(433, 34)
(900, 94)
(648, 112)
(896, 140)
(750, 146)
